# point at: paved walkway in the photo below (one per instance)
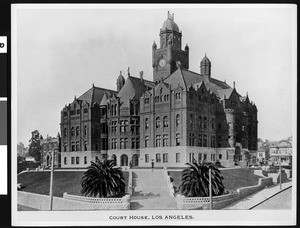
(255, 199)
(151, 191)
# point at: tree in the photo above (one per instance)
(103, 180)
(35, 146)
(21, 149)
(195, 180)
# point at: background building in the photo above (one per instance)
(283, 151)
(182, 116)
(47, 146)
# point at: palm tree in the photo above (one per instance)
(195, 180)
(103, 180)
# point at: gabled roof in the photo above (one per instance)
(186, 78)
(133, 89)
(224, 92)
(95, 95)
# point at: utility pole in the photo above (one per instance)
(210, 190)
(280, 172)
(51, 180)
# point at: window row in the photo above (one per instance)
(199, 159)
(164, 140)
(75, 146)
(135, 143)
(75, 160)
(161, 98)
(202, 140)
(164, 158)
(75, 131)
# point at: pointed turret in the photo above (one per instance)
(120, 82)
(205, 66)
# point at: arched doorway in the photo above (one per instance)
(48, 160)
(237, 155)
(124, 160)
(135, 160)
(114, 158)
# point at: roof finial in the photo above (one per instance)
(74, 97)
(93, 85)
(128, 71)
(170, 16)
(247, 93)
(234, 84)
(205, 54)
(120, 72)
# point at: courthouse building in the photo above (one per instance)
(180, 116)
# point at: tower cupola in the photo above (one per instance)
(205, 66)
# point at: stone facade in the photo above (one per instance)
(181, 116)
(47, 146)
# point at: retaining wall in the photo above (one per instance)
(72, 203)
(194, 203)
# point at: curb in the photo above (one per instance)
(269, 197)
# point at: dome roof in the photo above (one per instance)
(169, 24)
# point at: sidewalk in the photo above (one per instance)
(252, 200)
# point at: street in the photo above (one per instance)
(283, 200)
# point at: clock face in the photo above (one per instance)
(162, 62)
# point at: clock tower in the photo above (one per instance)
(165, 58)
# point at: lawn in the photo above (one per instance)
(233, 178)
(64, 181)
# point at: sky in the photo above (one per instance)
(61, 52)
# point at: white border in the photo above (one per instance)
(101, 218)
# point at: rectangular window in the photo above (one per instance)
(77, 160)
(157, 156)
(72, 160)
(157, 140)
(205, 140)
(146, 158)
(96, 158)
(178, 139)
(121, 143)
(165, 140)
(73, 146)
(177, 157)
(199, 157)
(85, 159)
(65, 160)
(200, 140)
(165, 157)
(205, 156)
(191, 157)
(220, 156)
(77, 146)
(146, 141)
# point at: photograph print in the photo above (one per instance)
(154, 114)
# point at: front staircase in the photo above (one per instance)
(150, 191)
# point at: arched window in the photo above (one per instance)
(146, 123)
(157, 122)
(77, 131)
(166, 121)
(72, 131)
(65, 132)
(177, 120)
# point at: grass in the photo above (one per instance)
(64, 181)
(233, 178)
